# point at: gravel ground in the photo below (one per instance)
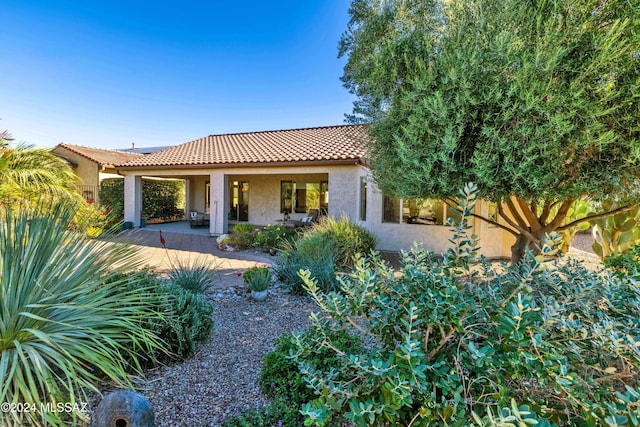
(222, 377)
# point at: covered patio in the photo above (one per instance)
(257, 178)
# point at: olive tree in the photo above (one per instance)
(535, 101)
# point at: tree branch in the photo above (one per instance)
(497, 224)
(514, 225)
(596, 216)
(546, 210)
(561, 215)
(528, 214)
(514, 211)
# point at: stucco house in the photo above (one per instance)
(92, 165)
(257, 177)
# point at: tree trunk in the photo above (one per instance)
(518, 248)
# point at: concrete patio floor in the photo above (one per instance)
(184, 245)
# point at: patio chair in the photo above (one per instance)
(307, 221)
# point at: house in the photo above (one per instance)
(257, 177)
(92, 165)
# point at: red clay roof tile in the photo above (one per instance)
(100, 155)
(319, 144)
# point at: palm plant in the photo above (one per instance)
(66, 320)
(27, 172)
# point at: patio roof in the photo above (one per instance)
(318, 145)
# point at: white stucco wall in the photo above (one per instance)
(344, 199)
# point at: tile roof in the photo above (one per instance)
(100, 155)
(310, 145)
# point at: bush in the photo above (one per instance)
(188, 319)
(280, 376)
(276, 413)
(273, 236)
(349, 237)
(160, 198)
(243, 236)
(548, 341)
(67, 319)
(195, 277)
(316, 254)
(323, 249)
(624, 264)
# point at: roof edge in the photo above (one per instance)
(336, 162)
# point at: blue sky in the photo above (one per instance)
(111, 73)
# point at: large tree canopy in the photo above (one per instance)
(537, 101)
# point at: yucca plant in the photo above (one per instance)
(196, 276)
(66, 321)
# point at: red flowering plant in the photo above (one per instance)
(96, 220)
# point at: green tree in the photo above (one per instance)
(28, 173)
(535, 101)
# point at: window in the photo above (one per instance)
(286, 196)
(390, 209)
(302, 196)
(363, 198)
(417, 211)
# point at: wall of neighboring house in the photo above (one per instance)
(87, 170)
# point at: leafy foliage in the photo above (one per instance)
(348, 237)
(28, 173)
(193, 276)
(67, 319)
(187, 319)
(324, 249)
(625, 263)
(615, 234)
(162, 199)
(273, 236)
(542, 340)
(536, 102)
(243, 236)
(257, 278)
(314, 253)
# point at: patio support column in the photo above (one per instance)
(187, 198)
(218, 211)
(132, 198)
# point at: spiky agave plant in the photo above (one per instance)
(65, 320)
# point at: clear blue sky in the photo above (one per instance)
(108, 73)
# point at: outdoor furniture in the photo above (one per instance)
(307, 221)
(198, 219)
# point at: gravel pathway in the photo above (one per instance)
(222, 377)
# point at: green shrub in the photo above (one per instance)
(348, 237)
(273, 236)
(195, 277)
(67, 320)
(450, 345)
(276, 413)
(625, 263)
(318, 255)
(324, 249)
(280, 376)
(160, 198)
(243, 236)
(257, 279)
(188, 319)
